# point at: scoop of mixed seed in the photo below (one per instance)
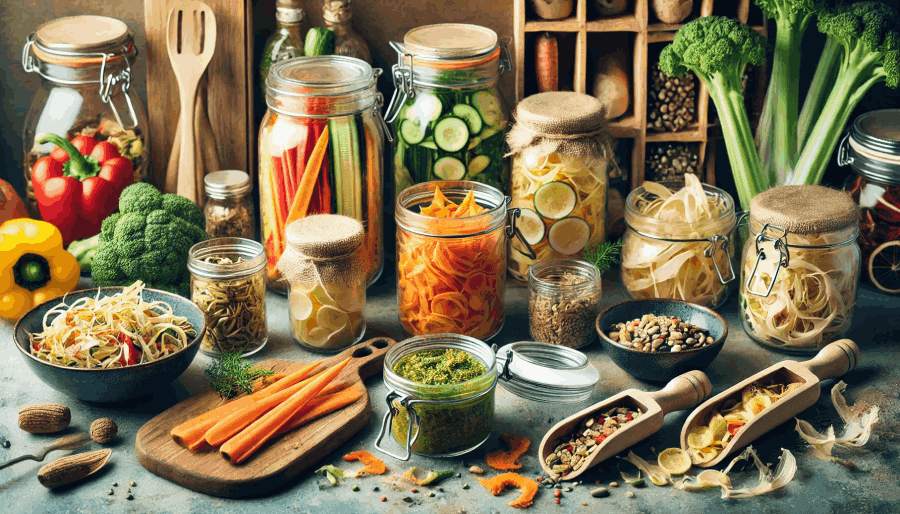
(570, 453)
(655, 334)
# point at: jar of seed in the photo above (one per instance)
(564, 301)
(228, 283)
(228, 208)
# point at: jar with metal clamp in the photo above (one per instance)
(447, 111)
(85, 67)
(668, 253)
(800, 267)
(451, 272)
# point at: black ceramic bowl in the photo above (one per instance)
(661, 367)
(116, 384)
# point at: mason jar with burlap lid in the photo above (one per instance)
(327, 281)
(561, 150)
(800, 267)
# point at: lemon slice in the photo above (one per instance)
(702, 456)
(674, 461)
(341, 337)
(713, 478)
(700, 437)
(349, 299)
(331, 318)
(719, 427)
(301, 306)
(758, 403)
(322, 295)
(318, 337)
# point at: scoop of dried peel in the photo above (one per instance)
(858, 423)
(373, 465)
(505, 461)
(527, 486)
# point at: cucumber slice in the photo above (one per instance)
(451, 134)
(428, 144)
(449, 168)
(489, 107)
(478, 164)
(555, 200)
(568, 236)
(426, 109)
(471, 117)
(531, 226)
(411, 132)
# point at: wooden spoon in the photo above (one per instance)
(191, 41)
(682, 392)
(69, 442)
(832, 361)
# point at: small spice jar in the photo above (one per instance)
(564, 301)
(228, 283)
(801, 267)
(561, 152)
(872, 149)
(228, 208)
(439, 420)
(326, 276)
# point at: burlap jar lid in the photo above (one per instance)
(325, 236)
(573, 124)
(806, 209)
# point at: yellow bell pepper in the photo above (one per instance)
(34, 266)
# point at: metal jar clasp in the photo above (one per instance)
(513, 231)
(780, 245)
(406, 403)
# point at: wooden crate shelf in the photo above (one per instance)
(641, 28)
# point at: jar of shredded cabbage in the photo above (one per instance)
(678, 241)
(800, 267)
(561, 149)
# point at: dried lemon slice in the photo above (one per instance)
(702, 456)
(674, 461)
(757, 403)
(318, 336)
(301, 306)
(719, 427)
(332, 319)
(700, 437)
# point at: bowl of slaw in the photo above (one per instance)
(129, 376)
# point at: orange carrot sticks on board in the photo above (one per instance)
(322, 405)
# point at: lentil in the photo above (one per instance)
(658, 334)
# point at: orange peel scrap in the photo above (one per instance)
(527, 486)
(504, 461)
(373, 465)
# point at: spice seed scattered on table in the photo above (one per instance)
(657, 334)
(600, 492)
(629, 494)
(476, 470)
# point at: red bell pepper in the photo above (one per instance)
(130, 354)
(79, 184)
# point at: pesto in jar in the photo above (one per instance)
(439, 367)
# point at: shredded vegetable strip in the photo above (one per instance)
(451, 286)
(111, 332)
(652, 268)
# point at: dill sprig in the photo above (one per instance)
(231, 375)
(603, 255)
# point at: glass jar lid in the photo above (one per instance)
(83, 34)
(224, 184)
(321, 86)
(546, 373)
(450, 41)
(251, 254)
(872, 146)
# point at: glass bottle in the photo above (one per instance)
(287, 40)
(338, 15)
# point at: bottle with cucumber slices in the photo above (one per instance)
(561, 152)
(448, 114)
(321, 148)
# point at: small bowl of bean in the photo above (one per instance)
(656, 340)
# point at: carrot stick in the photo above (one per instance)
(191, 433)
(244, 444)
(279, 171)
(320, 406)
(304, 192)
(290, 165)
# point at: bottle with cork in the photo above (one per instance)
(287, 40)
(338, 16)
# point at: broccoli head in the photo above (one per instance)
(149, 240)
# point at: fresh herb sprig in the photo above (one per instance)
(603, 255)
(231, 375)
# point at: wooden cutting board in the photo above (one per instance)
(278, 461)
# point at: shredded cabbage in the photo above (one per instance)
(586, 176)
(90, 332)
(812, 302)
(653, 268)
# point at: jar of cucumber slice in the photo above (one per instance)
(447, 110)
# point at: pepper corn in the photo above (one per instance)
(34, 266)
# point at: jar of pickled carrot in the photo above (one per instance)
(321, 147)
(451, 257)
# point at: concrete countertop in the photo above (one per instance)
(818, 487)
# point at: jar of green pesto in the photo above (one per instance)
(441, 395)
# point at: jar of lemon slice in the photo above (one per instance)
(327, 281)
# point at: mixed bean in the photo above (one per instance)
(656, 334)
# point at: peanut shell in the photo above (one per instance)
(44, 418)
(104, 430)
(72, 468)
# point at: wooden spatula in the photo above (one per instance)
(191, 41)
(683, 392)
(832, 361)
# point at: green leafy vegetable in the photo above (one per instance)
(603, 255)
(231, 375)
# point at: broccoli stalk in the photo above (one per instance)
(869, 36)
(822, 82)
(717, 49)
(776, 135)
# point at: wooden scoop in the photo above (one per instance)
(832, 361)
(682, 392)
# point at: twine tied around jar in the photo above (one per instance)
(323, 249)
(571, 124)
